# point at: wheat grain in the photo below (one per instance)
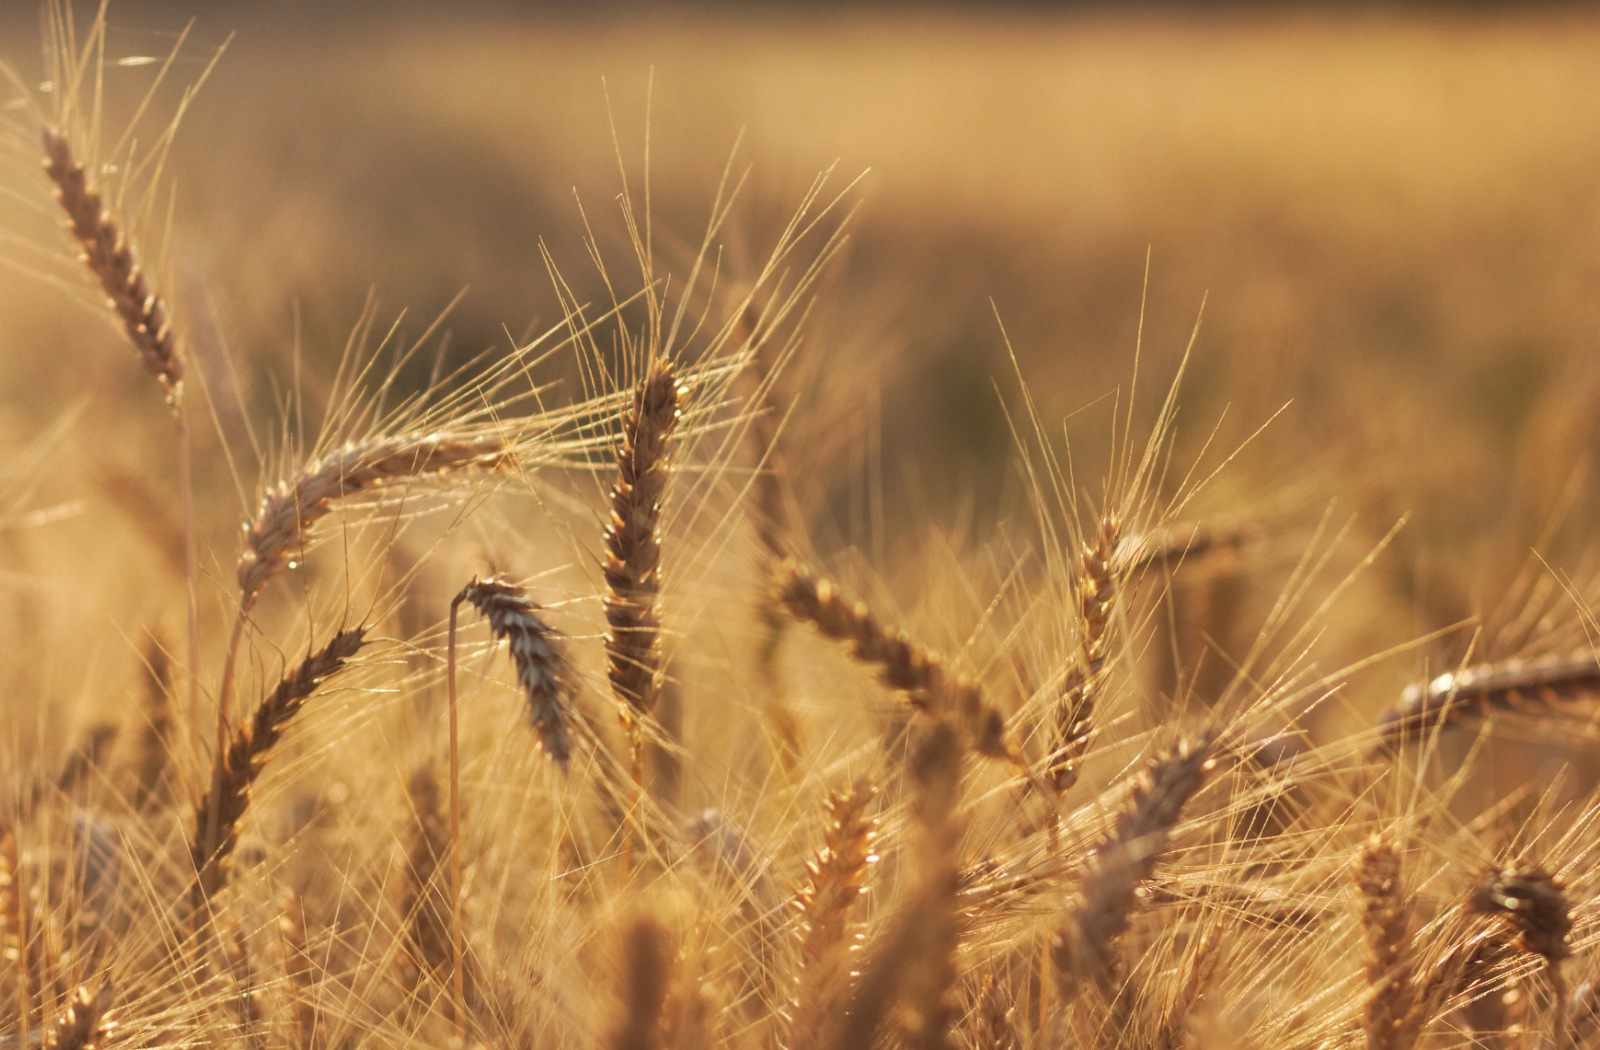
(1074, 723)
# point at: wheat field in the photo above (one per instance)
(899, 529)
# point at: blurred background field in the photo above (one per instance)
(1392, 218)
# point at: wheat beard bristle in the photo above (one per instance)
(536, 652)
(632, 563)
(111, 258)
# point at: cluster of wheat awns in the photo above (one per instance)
(1182, 899)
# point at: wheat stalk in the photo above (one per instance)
(646, 974)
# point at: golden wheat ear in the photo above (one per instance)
(1391, 1020)
(221, 814)
(922, 675)
(1084, 949)
(835, 878)
(1534, 904)
(110, 257)
(633, 549)
(1482, 689)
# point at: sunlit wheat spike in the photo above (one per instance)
(1085, 946)
(923, 676)
(536, 652)
(835, 878)
(1074, 721)
(1482, 689)
(1386, 919)
(110, 257)
(632, 561)
(247, 753)
(647, 968)
(291, 509)
(83, 1025)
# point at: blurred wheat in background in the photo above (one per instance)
(512, 536)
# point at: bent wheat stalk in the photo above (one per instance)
(291, 509)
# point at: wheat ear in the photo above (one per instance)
(920, 674)
(1085, 946)
(1386, 920)
(110, 257)
(835, 879)
(1534, 903)
(536, 651)
(241, 762)
(632, 562)
(1485, 688)
(1097, 590)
